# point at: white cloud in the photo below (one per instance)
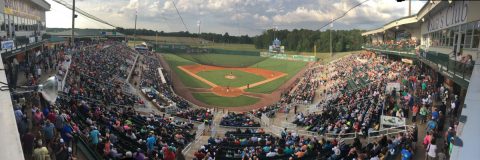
(233, 16)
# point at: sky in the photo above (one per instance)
(237, 17)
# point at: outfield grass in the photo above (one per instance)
(291, 68)
(212, 99)
(225, 60)
(186, 79)
(242, 78)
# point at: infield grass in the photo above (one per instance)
(214, 100)
(241, 78)
(291, 68)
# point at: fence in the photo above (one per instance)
(387, 131)
(198, 134)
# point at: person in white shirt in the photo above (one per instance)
(432, 150)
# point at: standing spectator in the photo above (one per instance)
(27, 143)
(414, 113)
(151, 140)
(48, 132)
(406, 153)
(423, 114)
(67, 133)
(41, 152)
(94, 135)
(432, 150)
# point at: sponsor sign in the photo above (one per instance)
(8, 44)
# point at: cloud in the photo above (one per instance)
(233, 16)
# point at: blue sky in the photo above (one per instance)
(233, 16)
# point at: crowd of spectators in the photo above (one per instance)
(88, 113)
(353, 110)
(238, 120)
(305, 87)
(269, 111)
(403, 44)
(99, 72)
(258, 145)
(150, 78)
(196, 114)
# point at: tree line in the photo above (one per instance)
(214, 37)
(303, 40)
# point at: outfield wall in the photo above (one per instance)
(289, 57)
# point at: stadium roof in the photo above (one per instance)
(431, 6)
(394, 23)
(86, 33)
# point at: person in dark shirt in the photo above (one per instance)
(27, 144)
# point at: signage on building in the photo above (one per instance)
(8, 44)
(22, 9)
(453, 15)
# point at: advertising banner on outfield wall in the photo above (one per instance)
(289, 57)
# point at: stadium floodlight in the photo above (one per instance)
(48, 89)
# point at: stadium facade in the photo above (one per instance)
(22, 24)
(444, 36)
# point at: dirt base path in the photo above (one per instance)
(265, 99)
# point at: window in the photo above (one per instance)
(451, 37)
(8, 22)
(476, 35)
(15, 22)
(468, 28)
(2, 22)
(29, 24)
(22, 22)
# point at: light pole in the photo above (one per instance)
(331, 47)
(198, 24)
(135, 31)
(73, 24)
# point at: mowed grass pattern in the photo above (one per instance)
(218, 77)
(225, 60)
(214, 100)
(189, 81)
(291, 68)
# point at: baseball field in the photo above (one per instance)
(219, 86)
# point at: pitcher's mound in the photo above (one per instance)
(230, 92)
(230, 76)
